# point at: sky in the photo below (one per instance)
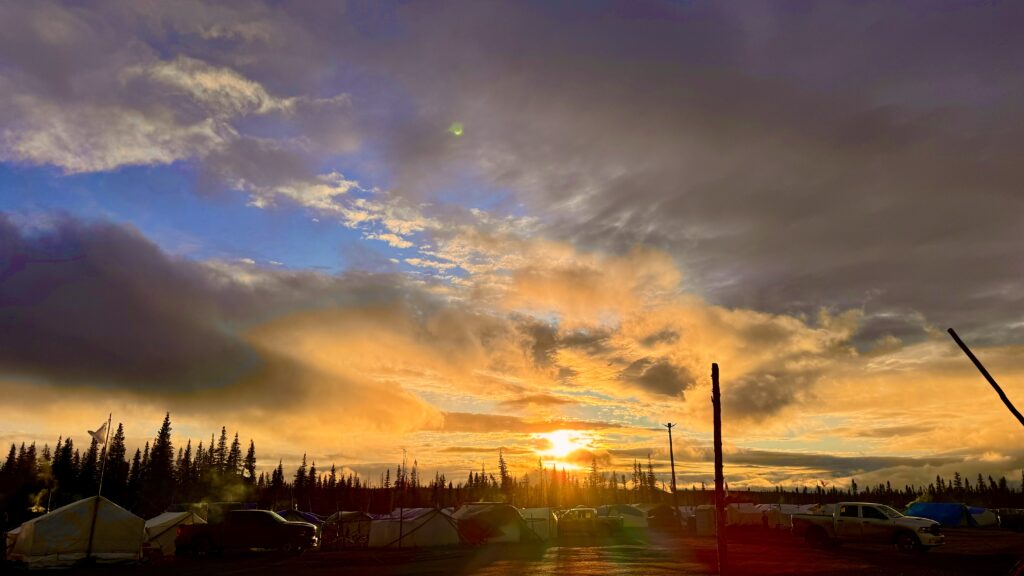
(346, 229)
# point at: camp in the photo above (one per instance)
(161, 530)
(61, 538)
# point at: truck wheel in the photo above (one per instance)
(816, 537)
(907, 542)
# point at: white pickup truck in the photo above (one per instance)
(869, 522)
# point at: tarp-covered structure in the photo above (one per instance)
(632, 517)
(490, 523)
(413, 528)
(949, 514)
(163, 529)
(542, 522)
(346, 529)
(61, 538)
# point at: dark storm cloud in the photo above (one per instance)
(907, 328)
(761, 394)
(838, 465)
(97, 304)
(791, 156)
(659, 376)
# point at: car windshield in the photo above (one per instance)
(888, 511)
(277, 516)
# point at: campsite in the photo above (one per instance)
(496, 538)
(753, 552)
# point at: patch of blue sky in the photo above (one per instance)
(162, 204)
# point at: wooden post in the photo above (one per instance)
(672, 461)
(716, 403)
(984, 372)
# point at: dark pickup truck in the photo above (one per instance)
(245, 530)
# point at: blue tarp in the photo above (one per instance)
(945, 513)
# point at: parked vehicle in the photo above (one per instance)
(868, 522)
(585, 521)
(244, 530)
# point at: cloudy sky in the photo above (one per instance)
(352, 228)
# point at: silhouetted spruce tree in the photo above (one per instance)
(299, 483)
(220, 455)
(158, 488)
(89, 474)
(233, 464)
(186, 475)
(115, 479)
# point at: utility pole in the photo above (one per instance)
(672, 461)
(401, 501)
(716, 403)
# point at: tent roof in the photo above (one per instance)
(945, 513)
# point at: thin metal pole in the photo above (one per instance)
(106, 443)
(99, 492)
(984, 372)
(716, 403)
(672, 462)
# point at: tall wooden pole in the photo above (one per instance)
(716, 403)
(672, 461)
(984, 372)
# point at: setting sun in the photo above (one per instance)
(564, 442)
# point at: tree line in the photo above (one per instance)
(160, 476)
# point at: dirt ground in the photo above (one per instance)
(971, 552)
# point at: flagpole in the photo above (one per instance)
(103, 465)
(96, 504)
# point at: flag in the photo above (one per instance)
(100, 435)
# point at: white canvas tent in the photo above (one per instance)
(542, 521)
(420, 527)
(61, 537)
(163, 529)
(490, 523)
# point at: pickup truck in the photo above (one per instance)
(244, 530)
(585, 521)
(868, 522)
